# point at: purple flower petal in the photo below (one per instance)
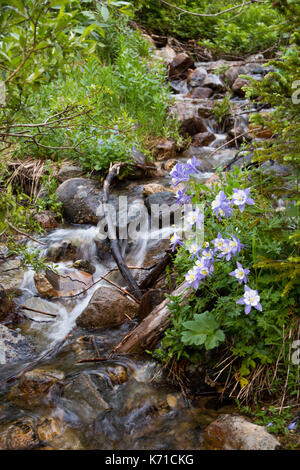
(247, 309)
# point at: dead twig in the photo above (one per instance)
(38, 311)
(114, 242)
(23, 233)
(210, 15)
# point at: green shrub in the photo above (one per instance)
(255, 28)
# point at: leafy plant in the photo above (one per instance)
(256, 338)
(202, 329)
(250, 29)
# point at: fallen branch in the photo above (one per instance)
(98, 359)
(210, 15)
(150, 329)
(111, 229)
(154, 274)
(24, 234)
(37, 311)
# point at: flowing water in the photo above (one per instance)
(120, 403)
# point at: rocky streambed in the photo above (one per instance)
(61, 388)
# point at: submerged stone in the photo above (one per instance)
(13, 346)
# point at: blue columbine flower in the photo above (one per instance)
(226, 250)
(175, 241)
(241, 197)
(191, 166)
(218, 242)
(221, 206)
(182, 197)
(235, 245)
(192, 278)
(194, 249)
(250, 299)
(240, 273)
(179, 173)
(194, 217)
(293, 424)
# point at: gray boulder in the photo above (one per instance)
(81, 199)
(229, 432)
(214, 82)
(107, 308)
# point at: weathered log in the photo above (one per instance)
(111, 230)
(154, 273)
(150, 329)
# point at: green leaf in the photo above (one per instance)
(104, 12)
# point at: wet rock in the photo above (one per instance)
(192, 126)
(13, 346)
(55, 435)
(107, 308)
(69, 171)
(19, 435)
(6, 304)
(169, 164)
(103, 249)
(209, 160)
(214, 82)
(84, 265)
(166, 53)
(49, 429)
(238, 85)
(239, 136)
(118, 374)
(229, 432)
(44, 286)
(205, 108)
(37, 387)
(156, 171)
(51, 284)
(187, 112)
(187, 108)
(165, 149)
(46, 220)
(159, 198)
(64, 250)
(11, 275)
(252, 68)
(200, 92)
(271, 166)
(232, 74)
(150, 300)
(85, 396)
(197, 77)
(255, 70)
(179, 86)
(260, 131)
(180, 64)
(155, 252)
(139, 157)
(163, 206)
(243, 159)
(203, 138)
(42, 305)
(81, 199)
(202, 152)
(153, 188)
